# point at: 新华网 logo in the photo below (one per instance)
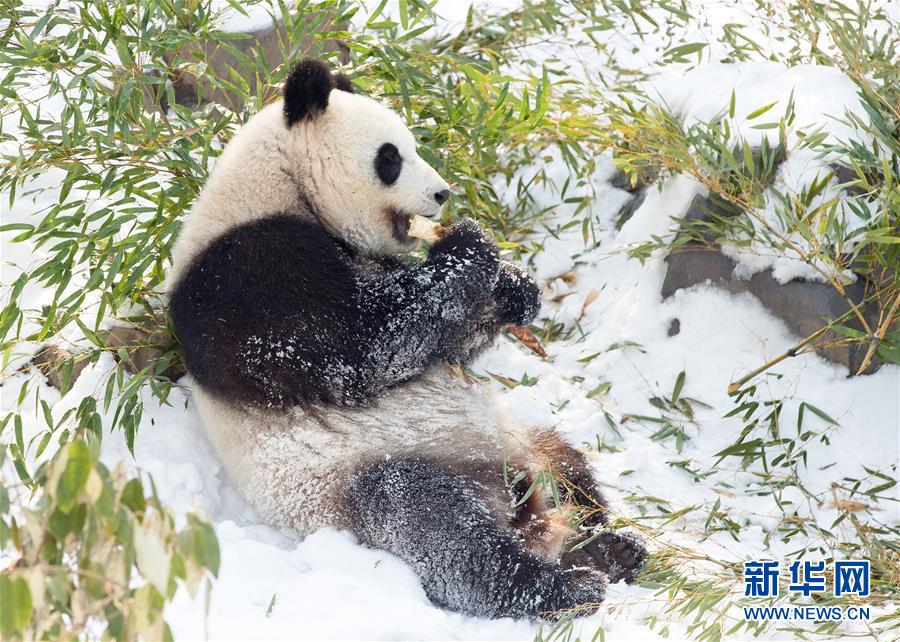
(806, 578)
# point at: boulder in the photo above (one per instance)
(804, 306)
(269, 44)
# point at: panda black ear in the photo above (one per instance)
(306, 90)
(343, 83)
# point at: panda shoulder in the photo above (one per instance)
(297, 235)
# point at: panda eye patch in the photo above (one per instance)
(388, 163)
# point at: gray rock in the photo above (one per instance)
(846, 176)
(269, 43)
(50, 361)
(703, 211)
(674, 327)
(804, 306)
(646, 176)
(144, 343)
(263, 51)
(630, 207)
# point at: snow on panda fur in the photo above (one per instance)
(316, 352)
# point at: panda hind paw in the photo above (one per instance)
(620, 554)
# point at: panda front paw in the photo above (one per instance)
(466, 240)
(517, 297)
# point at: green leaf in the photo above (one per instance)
(679, 384)
(746, 448)
(820, 413)
(133, 496)
(48, 414)
(877, 489)
(404, 14)
(881, 239)
(762, 110)
(16, 610)
(210, 546)
(679, 52)
(129, 434)
(17, 429)
(201, 544)
(75, 474)
(601, 389)
(9, 227)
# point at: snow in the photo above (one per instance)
(822, 96)
(255, 17)
(326, 586)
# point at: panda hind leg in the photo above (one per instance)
(467, 561)
(619, 554)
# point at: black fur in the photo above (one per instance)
(307, 89)
(620, 555)
(467, 561)
(478, 334)
(278, 312)
(343, 83)
(517, 296)
(388, 163)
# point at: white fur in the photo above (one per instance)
(292, 467)
(329, 158)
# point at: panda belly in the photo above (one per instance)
(293, 466)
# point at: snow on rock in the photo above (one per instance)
(821, 98)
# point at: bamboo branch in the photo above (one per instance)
(879, 335)
(737, 385)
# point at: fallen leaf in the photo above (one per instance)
(590, 298)
(506, 381)
(526, 338)
(848, 505)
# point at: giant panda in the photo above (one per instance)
(318, 357)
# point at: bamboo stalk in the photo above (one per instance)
(879, 335)
(737, 385)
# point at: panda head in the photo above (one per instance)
(357, 161)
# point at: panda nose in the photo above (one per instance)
(442, 196)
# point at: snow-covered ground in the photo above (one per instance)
(275, 585)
